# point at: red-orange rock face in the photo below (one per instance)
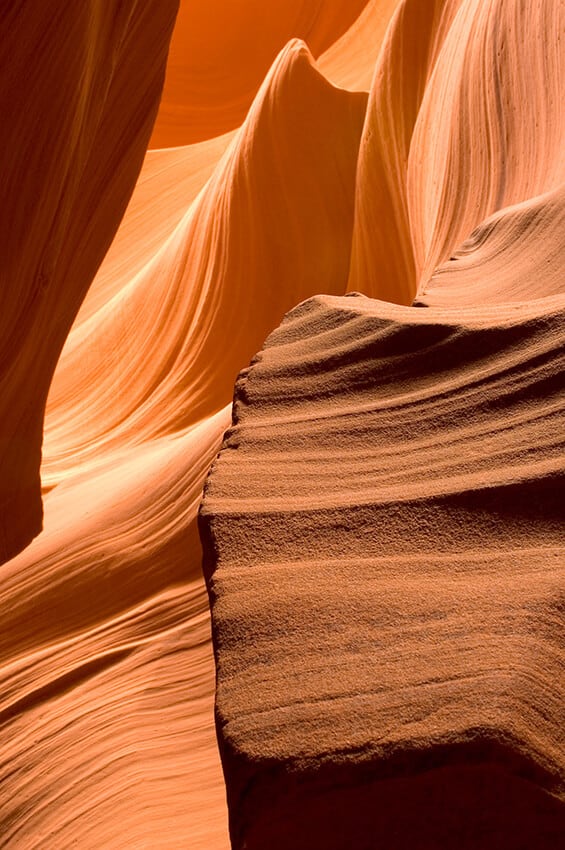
(79, 91)
(221, 52)
(382, 527)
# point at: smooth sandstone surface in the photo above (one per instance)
(275, 217)
(222, 50)
(106, 683)
(79, 92)
(465, 120)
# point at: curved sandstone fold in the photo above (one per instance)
(515, 255)
(79, 90)
(383, 547)
(350, 61)
(382, 262)
(465, 119)
(221, 51)
(106, 677)
(384, 556)
(105, 653)
(275, 217)
(489, 133)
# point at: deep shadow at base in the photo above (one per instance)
(452, 808)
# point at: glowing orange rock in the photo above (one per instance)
(449, 190)
(221, 51)
(274, 220)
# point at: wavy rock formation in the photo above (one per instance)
(275, 218)
(382, 262)
(78, 99)
(384, 548)
(515, 255)
(215, 71)
(105, 662)
(381, 529)
(465, 119)
(492, 106)
(350, 61)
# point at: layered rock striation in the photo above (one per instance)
(381, 530)
(106, 667)
(383, 546)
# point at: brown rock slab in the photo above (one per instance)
(383, 547)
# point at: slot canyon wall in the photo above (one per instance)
(371, 195)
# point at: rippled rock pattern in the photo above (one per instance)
(383, 533)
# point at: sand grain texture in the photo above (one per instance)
(383, 540)
(383, 528)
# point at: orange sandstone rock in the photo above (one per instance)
(78, 95)
(222, 50)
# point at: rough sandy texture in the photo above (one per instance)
(383, 542)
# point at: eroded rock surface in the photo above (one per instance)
(383, 545)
